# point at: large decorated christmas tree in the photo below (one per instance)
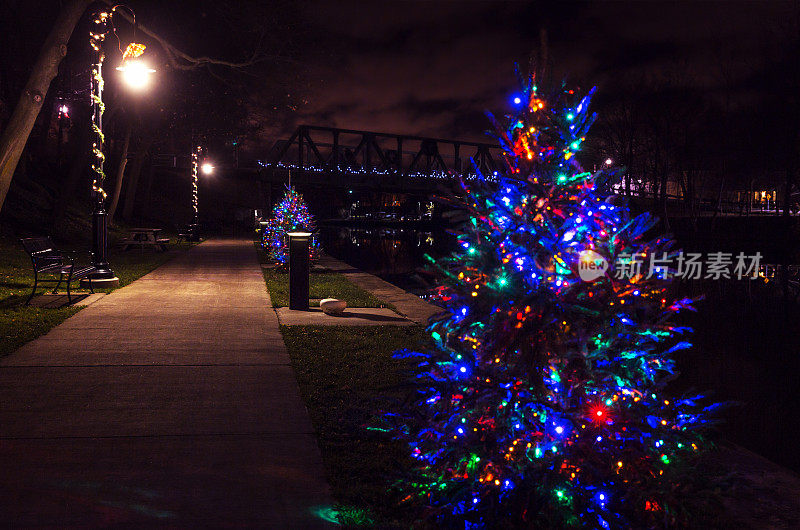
(290, 214)
(541, 401)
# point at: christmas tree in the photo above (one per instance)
(291, 213)
(540, 401)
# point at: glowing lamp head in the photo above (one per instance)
(135, 73)
(207, 168)
(517, 100)
(609, 161)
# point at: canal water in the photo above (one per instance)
(745, 352)
(396, 254)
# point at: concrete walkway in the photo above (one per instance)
(407, 304)
(169, 402)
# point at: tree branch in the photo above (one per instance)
(181, 60)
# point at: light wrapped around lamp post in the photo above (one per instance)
(299, 270)
(101, 26)
(136, 73)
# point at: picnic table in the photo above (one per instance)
(144, 237)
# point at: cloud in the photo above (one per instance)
(432, 68)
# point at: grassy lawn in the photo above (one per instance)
(345, 374)
(20, 324)
(321, 285)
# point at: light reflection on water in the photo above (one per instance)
(395, 254)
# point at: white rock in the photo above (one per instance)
(332, 306)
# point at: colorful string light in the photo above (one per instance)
(540, 401)
(291, 213)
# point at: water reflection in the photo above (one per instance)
(395, 254)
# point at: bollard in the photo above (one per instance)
(298, 270)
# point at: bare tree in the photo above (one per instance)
(19, 126)
(120, 172)
(15, 135)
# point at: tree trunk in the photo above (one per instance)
(19, 126)
(123, 161)
(133, 177)
(148, 188)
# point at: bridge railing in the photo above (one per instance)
(347, 150)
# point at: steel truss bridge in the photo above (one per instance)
(372, 160)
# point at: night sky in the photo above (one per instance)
(433, 68)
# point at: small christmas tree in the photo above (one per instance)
(291, 213)
(540, 402)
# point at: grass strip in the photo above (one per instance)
(345, 374)
(20, 324)
(321, 285)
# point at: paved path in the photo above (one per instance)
(407, 304)
(170, 402)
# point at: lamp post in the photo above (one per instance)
(195, 165)
(135, 74)
(63, 118)
(100, 27)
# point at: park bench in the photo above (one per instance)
(49, 261)
(189, 233)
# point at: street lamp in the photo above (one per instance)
(135, 73)
(609, 161)
(207, 168)
(63, 119)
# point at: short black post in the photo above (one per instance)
(298, 270)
